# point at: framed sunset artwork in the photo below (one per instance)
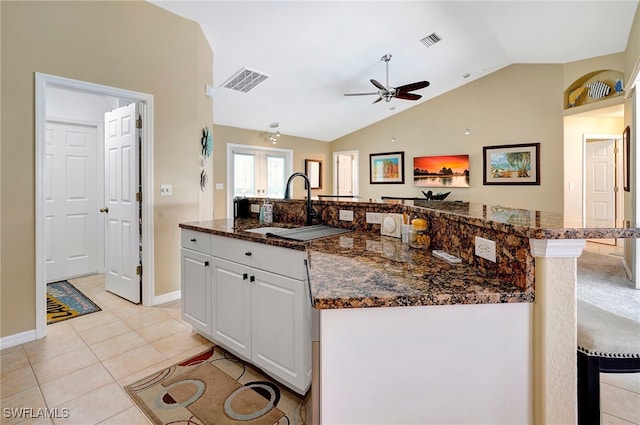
(441, 171)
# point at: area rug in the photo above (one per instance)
(65, 301)
(217, 388)
(603, 281)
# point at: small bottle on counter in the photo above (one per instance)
(418, 236)
(268, 211)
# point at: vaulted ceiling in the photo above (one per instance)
(313, 52)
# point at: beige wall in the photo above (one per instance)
(517, 104)
(303, 149)
(129, 45)
(632, 71)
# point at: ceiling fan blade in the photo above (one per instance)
(377, 100)
(360, 94)
(413, 86)
(378, 84)
(408, 96)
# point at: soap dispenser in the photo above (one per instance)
(268, 211)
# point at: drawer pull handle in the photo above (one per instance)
(252, 279)
(193, 239)
(245, 276)
(206, 264)
(248, 253)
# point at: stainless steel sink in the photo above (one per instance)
(265, 230)
(305, 233)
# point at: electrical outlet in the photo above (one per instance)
(486, 249)
(255, 208)
(166, 190)
(346, 215)
(374, 218)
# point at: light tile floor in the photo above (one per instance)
(83, 364)
(619, 392)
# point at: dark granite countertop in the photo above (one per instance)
(526, 223)
(364, 269)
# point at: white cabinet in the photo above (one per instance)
(252, 299)
(196, 281)
(280, 328)
(231, 306)
(260, 307)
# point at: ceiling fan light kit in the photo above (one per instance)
(387, 92)
(273, 137)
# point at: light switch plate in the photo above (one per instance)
(346, 215)
(374, 217)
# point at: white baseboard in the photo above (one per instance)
(17, 339)
(627, 269)
(168, 297)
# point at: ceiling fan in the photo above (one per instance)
(387, 92)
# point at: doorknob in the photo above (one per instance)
(104, 210)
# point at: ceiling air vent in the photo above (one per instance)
(245, 80)
(431, 39)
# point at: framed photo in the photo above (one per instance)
(313, 170)
(441, 171)
(386, 168)
(626, 159)
(511, 164)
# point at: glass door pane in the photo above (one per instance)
(244, 174)
(276, 177)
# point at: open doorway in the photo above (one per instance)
(602, 197)
(345, 173)
(52, 86)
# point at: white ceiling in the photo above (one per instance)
(315, 51)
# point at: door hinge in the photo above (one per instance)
(139, 270)
(139, 197)
(139, 122)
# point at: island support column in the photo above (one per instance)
(554, 330)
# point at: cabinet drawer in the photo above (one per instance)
(197, 241)
(283, 261)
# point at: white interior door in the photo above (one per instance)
(600, 187)
(70, 200)
(122, 183)
(345, 174)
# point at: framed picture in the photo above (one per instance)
(626, 159)
(386, 168)
(313, 170)
(441, 171)
(511, 164)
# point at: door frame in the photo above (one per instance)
(42, 81)
(618, 195)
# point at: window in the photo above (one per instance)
(254, 171)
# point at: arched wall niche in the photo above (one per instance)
(578, 94)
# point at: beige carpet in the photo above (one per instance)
(603, 282)
(217, 388)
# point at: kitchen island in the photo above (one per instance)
(446, 343)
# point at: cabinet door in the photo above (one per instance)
(231, 306)
(196, 290)
(281, 328)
